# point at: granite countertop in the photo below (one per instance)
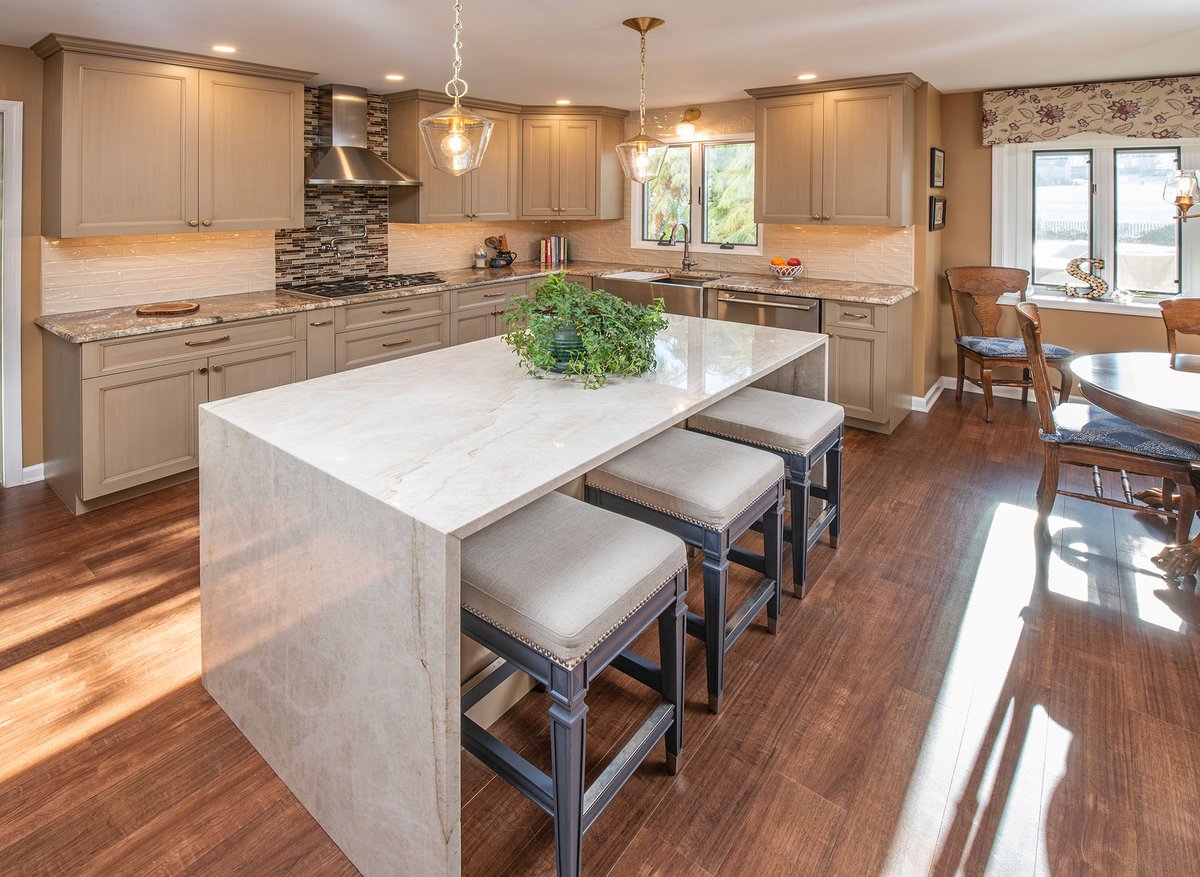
(98, 325)
(814, 287)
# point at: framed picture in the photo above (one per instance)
(937, 168)
(937, 212)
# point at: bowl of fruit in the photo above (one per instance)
(786, 269)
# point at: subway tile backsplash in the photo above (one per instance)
(79, 274)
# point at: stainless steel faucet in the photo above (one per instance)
(688, 262)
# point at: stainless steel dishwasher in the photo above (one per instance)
(764, 309)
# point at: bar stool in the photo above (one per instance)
(560, 590)
(803, 432)
(708, 492)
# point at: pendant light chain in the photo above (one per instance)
(642, 89)
(457, 86)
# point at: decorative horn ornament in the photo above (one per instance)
(1097, 288)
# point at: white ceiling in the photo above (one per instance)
(536, 51)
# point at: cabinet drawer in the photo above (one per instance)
(848, 315)
(120, 354)
(382, 313)
(369, 346)
(490, 294)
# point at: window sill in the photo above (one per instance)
(1061, 302)
(699, 248)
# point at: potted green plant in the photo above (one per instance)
(583, 333)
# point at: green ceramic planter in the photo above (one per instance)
(566, 345)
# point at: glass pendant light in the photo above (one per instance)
(1183, 190)
(642, 156)
(456, 138)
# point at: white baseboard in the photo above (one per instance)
(948, 383)
(32, 474)
(924, 404)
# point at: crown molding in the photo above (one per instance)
(51, 44)
(440, 97)
(909, 79)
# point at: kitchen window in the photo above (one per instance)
(1098, 197)
(709, 187)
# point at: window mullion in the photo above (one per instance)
(1104, 213)
(696, 223)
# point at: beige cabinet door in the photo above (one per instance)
(867, 178)
(318, 354)
(473, 325)
(788, 159)
(539, 168)
(577, 168)
(251, 152)
(444, 197)
(494, 189)
(235, 374)
(140, 426)
(128, 147)
(858, 373)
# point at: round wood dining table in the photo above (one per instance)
(1152, 390)
(1146, 388)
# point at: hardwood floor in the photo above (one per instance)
(945, 701)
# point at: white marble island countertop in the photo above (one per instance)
(331, 519)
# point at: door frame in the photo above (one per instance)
(12, 470)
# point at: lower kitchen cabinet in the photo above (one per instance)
(870, 362)
(478, 313)
(122, 415)
(381, 343)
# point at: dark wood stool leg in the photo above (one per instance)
(671, 645)
(773, 560)
(833, 472)
(568, 721)
(799, 489)
(716, 590)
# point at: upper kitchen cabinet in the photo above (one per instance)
(569, 167)
(143, 141)
(835, 152)
(490, 193)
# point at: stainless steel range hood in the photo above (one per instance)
(342, 155)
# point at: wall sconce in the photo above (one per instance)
(686, 128)
(1183, 190)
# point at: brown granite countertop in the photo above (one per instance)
(814, 287)
(98, 325)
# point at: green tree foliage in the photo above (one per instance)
(728, 189)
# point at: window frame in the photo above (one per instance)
(637, 208)
(1012, 216)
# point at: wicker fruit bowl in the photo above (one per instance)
(786, 272)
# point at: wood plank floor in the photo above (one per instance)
(945, 701)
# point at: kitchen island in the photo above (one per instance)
(331, 516)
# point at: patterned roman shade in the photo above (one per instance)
(1165, 109)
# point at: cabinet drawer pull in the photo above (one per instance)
(396, 311)
(397, 343)
(728, 299)
(494, 294)
(856, 316)
(322, 323)
(206, 342)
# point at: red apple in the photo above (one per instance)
(794, 262)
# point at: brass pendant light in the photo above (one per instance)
(456, 138)
(642, 156)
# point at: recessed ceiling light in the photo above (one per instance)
(227, 50)
(805, 77)
(562, 102)
(394, 77)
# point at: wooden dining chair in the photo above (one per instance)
(1083, 435)
(1180, 315)
(984, 285)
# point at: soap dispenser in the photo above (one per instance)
(481, 259)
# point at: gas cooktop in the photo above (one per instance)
(358, 285)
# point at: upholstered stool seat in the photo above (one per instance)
(708, 492)
(560, 590)
(803, 432)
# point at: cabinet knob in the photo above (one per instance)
(193, 223)
(202, 370)
(206, 223)
(216, 368)
(816, 217)
(825, 218)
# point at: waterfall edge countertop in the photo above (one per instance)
(79, 327)
(331, 520)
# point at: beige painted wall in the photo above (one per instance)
(967, 241)
(21, 80)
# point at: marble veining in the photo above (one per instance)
(812, 287)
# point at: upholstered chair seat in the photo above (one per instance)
(1080, 424)
(1005, 348)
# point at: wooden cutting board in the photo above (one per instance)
(168, 309)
